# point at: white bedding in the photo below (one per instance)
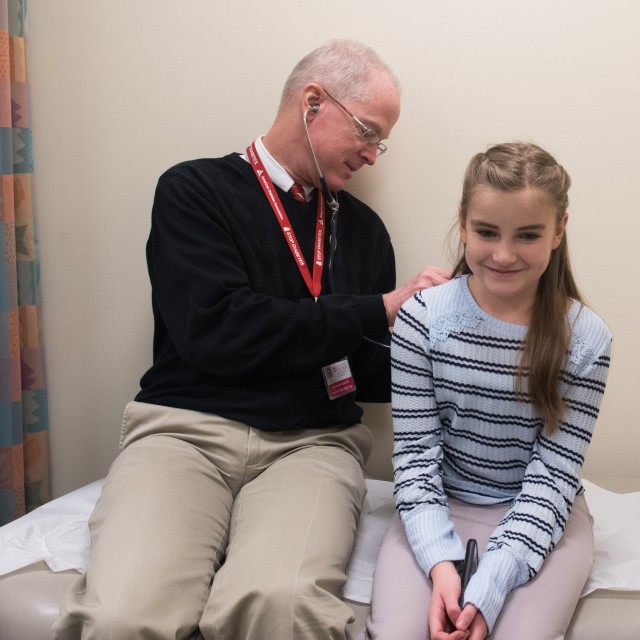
(58, 534)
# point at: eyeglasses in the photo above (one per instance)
(364, 133)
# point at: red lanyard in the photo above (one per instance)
(314, 285)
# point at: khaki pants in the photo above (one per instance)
(272, 515)
(540, 609)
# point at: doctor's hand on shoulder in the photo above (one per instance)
(429, 277)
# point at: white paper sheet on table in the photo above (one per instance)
(616, 530)
(377, 511)
(58, 534)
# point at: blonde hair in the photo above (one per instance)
(511, 167)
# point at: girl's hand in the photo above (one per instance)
(472, 620)
(444, 609)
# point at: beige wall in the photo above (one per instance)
(122, 90)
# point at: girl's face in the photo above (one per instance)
(508, 238)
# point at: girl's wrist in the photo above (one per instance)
(443, 570)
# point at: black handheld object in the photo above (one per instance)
(469, 567)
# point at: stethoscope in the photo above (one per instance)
(332, 201)
(330, 198)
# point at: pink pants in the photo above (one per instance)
(538, 610)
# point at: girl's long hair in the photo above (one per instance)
(510, 167)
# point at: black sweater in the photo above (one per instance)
(237, 332)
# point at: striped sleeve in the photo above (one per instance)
(418, 445)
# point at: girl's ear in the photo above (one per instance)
(560, 229)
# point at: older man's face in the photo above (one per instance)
(336, 138)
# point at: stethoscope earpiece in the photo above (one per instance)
(332, 201)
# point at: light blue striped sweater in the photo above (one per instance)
(460, 432)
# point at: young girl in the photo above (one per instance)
(497, 378)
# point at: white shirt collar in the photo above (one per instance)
(276, 171)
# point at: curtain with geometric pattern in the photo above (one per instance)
(24, 466)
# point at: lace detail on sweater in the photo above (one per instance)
(450, 322)
(581, 351)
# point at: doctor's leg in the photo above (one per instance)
(292, 531)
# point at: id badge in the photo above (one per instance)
(338, 379)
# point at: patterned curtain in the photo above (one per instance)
(24, 467)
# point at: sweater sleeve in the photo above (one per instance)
(537, 517)
(418, 445)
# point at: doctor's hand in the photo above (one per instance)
(429, 277)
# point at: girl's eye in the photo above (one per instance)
(485, 233)
(530, 237)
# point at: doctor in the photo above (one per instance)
(231, 510)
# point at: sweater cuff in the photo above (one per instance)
(498, 573)
(373, 315)
(432, 538)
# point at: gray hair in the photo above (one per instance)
(346, 67)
